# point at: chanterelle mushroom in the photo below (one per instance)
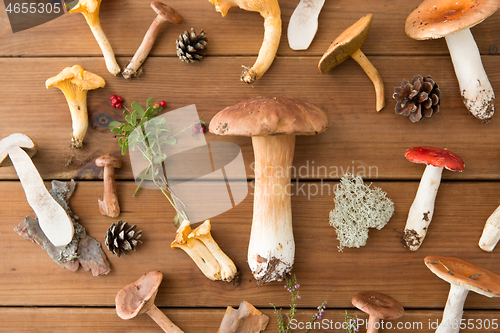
(422, 208)
(270, 11)
(273, 124)
(74, 82)
(377, 306)
(462, 277)
(453, 19)
(90, 10)
(17, 150)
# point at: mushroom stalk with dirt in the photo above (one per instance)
(272, 123)
(422, 208)
(108, 203)
(270, 11)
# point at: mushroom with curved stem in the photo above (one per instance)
(453, 19)
(491, 232)
(165, 14)
(74, 82)
(349, 43)
(108, 203)
(422, 208)
(17, 150)
(304, 24)
(273, 123)
(377, 306)
(90, 10)
(462, 277)
(139, 297)
(270, 11)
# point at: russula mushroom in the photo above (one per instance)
(108, 204)
(453, 19)
(273, 123)
(304, 24)
(462, 277)
(491, 232)
(377, 306)
(139, 297)
(164, 14)
(246, 319)
(349, 43)
(422, 208)
(90, 10)
(17, 150)
(74, 82)
(270, 11)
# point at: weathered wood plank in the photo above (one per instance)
(359, 140)
(29, 277)
(126, 22)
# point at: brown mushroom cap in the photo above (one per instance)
(346, 44)
(263, 116)
(438, 157)
(138, 295)
(438, 18)
(19, 139)
(465, 275)
(378, 305)
(109, 161)
(167, 12)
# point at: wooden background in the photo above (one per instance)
(36, 295)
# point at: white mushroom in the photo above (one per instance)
(304, 24)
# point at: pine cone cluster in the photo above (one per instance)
(190, 46)
(418, 98)
(121, 238)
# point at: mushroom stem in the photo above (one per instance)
(373, 324)
(109, 204)
(453, 310)
(476, 90)
(107, 51)
(162, 320)
(79, 118)
(491, 232)
(374, 76)
(422, 209)
(271, 250)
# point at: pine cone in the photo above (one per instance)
(419, 98)
(121, 238)
(190, 46)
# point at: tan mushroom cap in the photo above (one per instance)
(138, 296)
(438, 18)
(109, 161)
(465, 275)
(262, 116)
(20, 140)
(78, 76)
(167, 12)
(378, 305)
(346, 44)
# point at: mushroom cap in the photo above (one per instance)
(109, 161)
(346, 44)
(437, 157)
(438, 18)
(167, 12)
(77, 76)
(262, 116)
(378, 305)
(138, 295)
(465, 275)
(20, 140)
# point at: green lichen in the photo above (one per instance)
(358, 207)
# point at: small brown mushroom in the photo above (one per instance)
(165, 14)
(377, 306)
(246, 319)
(139, 297)
(109, 205)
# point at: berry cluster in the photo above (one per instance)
(116, 101)
(200, 127)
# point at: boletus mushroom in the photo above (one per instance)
(273, 123)
(462, 277)
(377, 306)
(17, 150)
(139, 297)
(422, 208)
(452, 19)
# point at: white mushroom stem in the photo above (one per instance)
(476, 90)
(491, 232)
(79, 118)
(422, 209)
(374, 76)
(453, 310)
(271, 250)
(107, 50)
(304, 24)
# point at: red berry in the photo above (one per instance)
(114, 101)
(195, 129)
(113, 105)
(112, 97)
(197, 126)
(163, 103)
(157, 105)
(118, 105)
(119, 98)
(203, 128)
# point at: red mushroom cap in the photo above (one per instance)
(437, 157)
